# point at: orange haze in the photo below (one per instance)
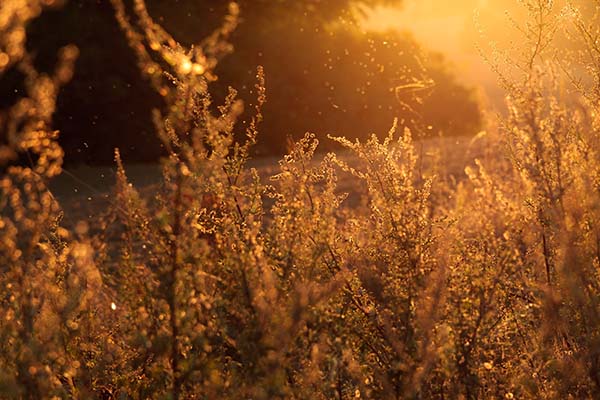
(452, 28)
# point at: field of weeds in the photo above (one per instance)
(397, 267)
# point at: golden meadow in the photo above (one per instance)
(375, 273)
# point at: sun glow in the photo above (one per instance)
(451, 28)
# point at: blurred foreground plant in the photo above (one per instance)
(50, 289)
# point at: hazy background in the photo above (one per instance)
(335, 67)
(458, 29)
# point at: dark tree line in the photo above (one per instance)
(323, 75)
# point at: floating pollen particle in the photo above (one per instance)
(198, 69)
(186, 66)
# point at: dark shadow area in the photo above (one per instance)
(323, 75)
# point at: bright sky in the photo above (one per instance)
(449, 27)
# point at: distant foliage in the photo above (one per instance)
(336, 79)
(314, 84)
(222, 285)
